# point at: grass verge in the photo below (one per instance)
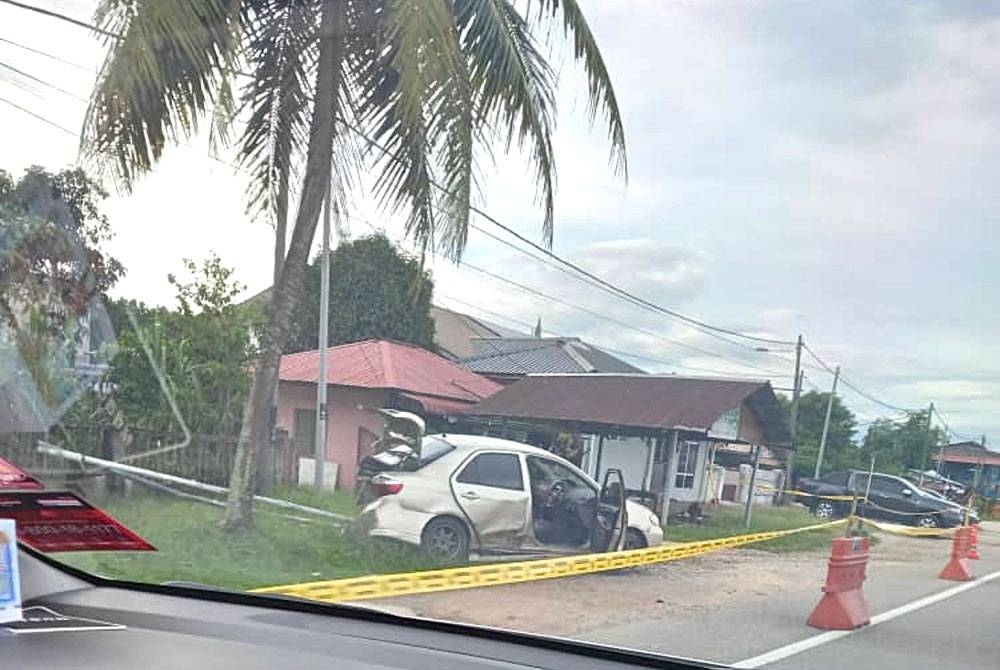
(191, 546)
(726, 520)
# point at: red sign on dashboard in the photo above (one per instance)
(62, 521)
(13, 477)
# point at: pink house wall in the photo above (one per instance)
(344, 418)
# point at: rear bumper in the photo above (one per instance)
(386, 518)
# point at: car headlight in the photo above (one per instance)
(654, 520)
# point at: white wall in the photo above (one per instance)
(629, 454)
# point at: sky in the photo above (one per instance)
(823, 168)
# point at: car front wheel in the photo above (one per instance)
(825, 509)
(928, 521)
(445, 541)
(634, 539)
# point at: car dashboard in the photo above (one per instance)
(186, 627)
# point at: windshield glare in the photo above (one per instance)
(730, 262)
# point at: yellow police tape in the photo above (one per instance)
(473, 576)
(908, 531)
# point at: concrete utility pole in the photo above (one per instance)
(324, 324)
(793, 417)
(826, 422)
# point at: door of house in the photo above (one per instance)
(304, 432)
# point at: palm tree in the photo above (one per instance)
(430, 82)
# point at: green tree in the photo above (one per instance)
(203, 349)
(898, 445)
(376, 291)
(840, 452)
(432, 81)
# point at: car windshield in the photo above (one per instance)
(733, 262)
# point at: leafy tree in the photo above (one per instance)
(840, 451)
(204, 351)
(376, 291)
(432, 81)
(898, 445)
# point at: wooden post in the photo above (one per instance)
(753, 484)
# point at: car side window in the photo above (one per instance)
(888, 486)
(502, 471)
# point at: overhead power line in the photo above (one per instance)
(38, 116)
(39, 80)
(61, 17)
(600, 281)
(47, 55)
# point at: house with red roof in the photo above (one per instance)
(361, 378)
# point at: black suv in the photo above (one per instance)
(890, 498)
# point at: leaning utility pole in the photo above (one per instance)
(793, 417)
(826, 422)
(324, 324)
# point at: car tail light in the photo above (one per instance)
(384, 485)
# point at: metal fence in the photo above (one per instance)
(208, 458)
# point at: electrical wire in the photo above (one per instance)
(594, 279)
(47, 55)
(38, 116)
(38, 80)
(61, 17)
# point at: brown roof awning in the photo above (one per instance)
(647, 402)
(436, 404)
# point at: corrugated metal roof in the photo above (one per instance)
(654, 402)
(389, 365)
(518, 356)
(968, 452)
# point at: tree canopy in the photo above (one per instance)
(898, 445)
(376, 291)
(841, 450)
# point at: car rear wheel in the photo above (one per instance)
(634, 539)
(825, 509)
(445, 540)
(928, 521)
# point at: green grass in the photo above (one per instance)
(336, 501)
(191, 546)
(726, 520)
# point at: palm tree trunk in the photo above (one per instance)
(255, 432)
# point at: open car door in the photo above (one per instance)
(610, 517)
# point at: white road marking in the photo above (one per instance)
(823, 638)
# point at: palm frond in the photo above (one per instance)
(419, 102)
(159, 77)
(601, 92)
(281, 53)
(514, 86)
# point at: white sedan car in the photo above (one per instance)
(472, 494)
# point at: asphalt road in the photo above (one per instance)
(960, 631)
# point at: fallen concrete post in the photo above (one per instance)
(84, 460)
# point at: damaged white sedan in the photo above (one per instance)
(462, 495)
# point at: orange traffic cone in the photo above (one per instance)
(957, 569)
(974, 542)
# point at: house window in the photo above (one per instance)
(687, 457)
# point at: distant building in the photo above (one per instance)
(363, 377)
(507, 359)
(455, 332)
(969, 462)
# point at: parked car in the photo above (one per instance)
(889, 497)
(471, 494)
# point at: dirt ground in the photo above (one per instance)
(572, 606)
